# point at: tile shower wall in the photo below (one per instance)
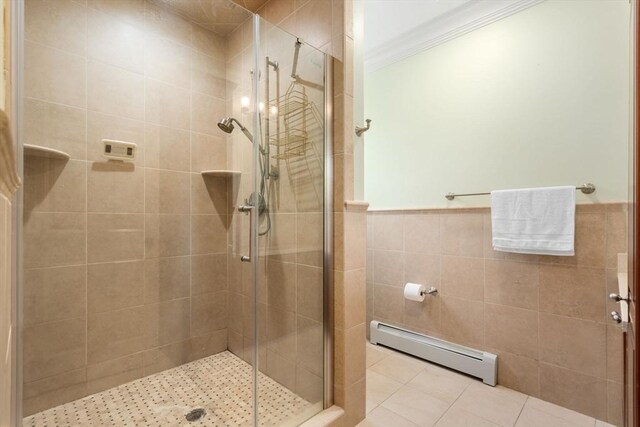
(126, 263)
(546, 317)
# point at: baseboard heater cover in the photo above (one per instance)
(464, 359)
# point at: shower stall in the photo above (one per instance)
(176, 238)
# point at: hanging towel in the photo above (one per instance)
(534, 220)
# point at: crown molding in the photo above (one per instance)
(473, 15)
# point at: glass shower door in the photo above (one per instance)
(290, 228)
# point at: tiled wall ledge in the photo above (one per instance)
(580, 207)
(328, 418)
(545, 316)
(356, 205)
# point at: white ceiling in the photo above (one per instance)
(397, 29)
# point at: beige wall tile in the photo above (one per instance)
(571, 291)
(208, 43)
(114, 334)
(166, 148)
(52, 294)
(102, 126)
(280, 369)
(166, 235)
(421, 268)
(115, 91)
(281, 285)
(209, 312)
(209, 152)
(167, 191)
(208, 75)
(208, 195)
(167, 322)
(281, 333)
(423, 316)
(53, 348)
(573, 390)
(310, 345)
(167, 61)
(388, 268)
(167, 105)
(463, 277)
(115, 42)
(206, 112)
(310, 238)
(166, 357)
(114, 286)
(208, 234)
(159, 20)
(116, 187)
(511, 283)
(518, 373)
(388, 229)
(166, 278)
(616, 236)
(463, 320)
(127, 10)
(461, 234)
(57, 23)
(282, 243)
(208, 273)
(55, 239)
(206, 345)
(422, 233)
(615, 403)
(511, 329)
(615, 353)
(388, 303)
(54, 76)
(55, 126)
(574, 344)
(115, 237)
(112, 373)
(53, 391)
(314, 22)
(309, 292)
(52, 185)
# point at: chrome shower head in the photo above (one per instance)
(226, 125)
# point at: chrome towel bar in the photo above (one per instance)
(587, 188)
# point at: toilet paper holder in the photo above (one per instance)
(431, 291)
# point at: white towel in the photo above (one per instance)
(534, 220)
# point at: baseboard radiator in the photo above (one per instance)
(464, 359)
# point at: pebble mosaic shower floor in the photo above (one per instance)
(221, 384)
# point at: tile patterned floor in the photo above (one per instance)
(403, 391)
(221, 384)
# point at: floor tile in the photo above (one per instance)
(532, 417)
(440, 383)
(379, 387)
(575, 418)
(456, 417)
(397, 368)
(376, 354)
(381, 417)
(496, 404)
(416, 406)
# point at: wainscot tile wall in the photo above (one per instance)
(546, 317)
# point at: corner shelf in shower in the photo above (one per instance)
(221, 173)
(31, 150)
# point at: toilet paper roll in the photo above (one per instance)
(414, 292)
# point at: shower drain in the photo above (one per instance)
(195, 414)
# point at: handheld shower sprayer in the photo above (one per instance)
(226, 125)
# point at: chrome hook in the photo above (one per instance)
(360, 130)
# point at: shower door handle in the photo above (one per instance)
(249, 209)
